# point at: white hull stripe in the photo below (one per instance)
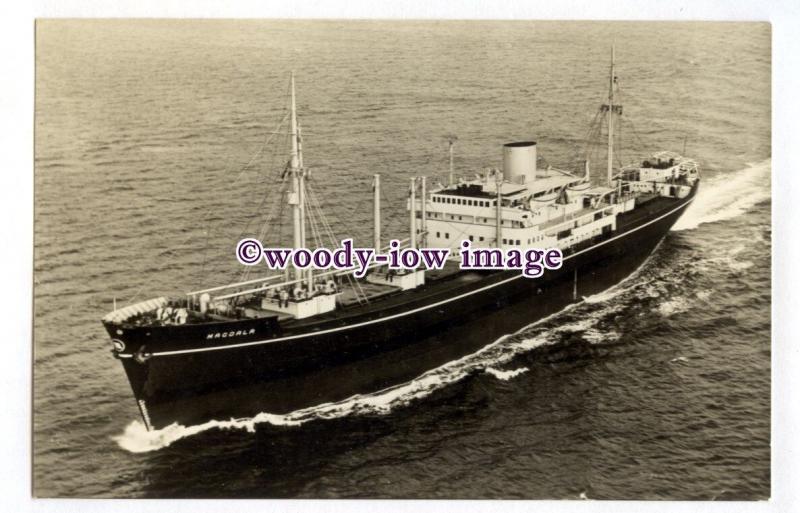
(409, 312)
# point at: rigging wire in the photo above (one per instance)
(218, 226)
(361, 296)
(208, 232)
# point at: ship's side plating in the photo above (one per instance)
(178, 364)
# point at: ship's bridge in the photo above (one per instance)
(469, 210)
(482, 193)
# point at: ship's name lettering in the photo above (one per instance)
(232, 333)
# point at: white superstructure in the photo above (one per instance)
(547, 208)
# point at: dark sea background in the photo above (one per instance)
(151, 163)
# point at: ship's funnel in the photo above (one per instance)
(519, 161)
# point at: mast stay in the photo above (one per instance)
(609, 119)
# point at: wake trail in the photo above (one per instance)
(728, 195)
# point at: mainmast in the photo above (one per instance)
(612, 109)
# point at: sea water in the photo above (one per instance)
(151, 164)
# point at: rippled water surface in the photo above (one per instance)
(150, 163)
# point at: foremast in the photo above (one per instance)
(297, 199)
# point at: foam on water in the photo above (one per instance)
(596, 336)
(674, 306)
(136, 437)
(507, 374)
(728, 195)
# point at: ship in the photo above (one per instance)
(287, 326)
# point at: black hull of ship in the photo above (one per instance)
(189, 374)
